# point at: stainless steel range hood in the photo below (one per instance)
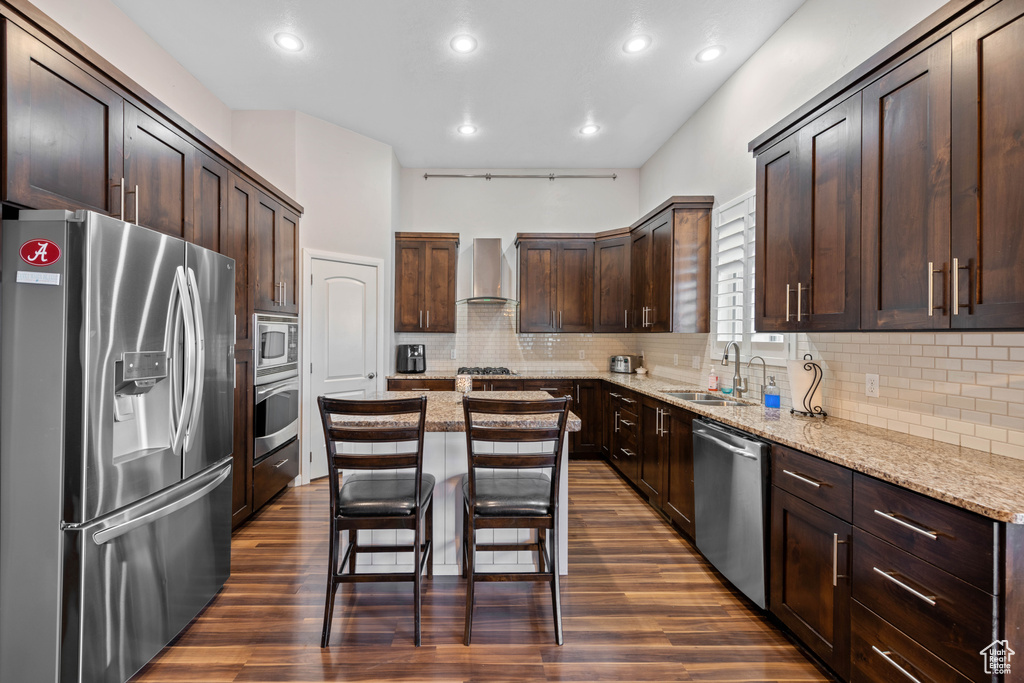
(484, 274)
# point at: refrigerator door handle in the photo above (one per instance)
(214, 480)
(199, 364)
(190, 360)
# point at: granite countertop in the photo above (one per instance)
(444, 411)
(985, 483)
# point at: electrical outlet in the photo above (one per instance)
(675, 359)
(453, 354)
(583, 354)
(871, 385)
(695, 362)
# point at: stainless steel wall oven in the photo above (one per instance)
(276, 407)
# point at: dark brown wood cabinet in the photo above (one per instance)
(670, 267)
(242, 451)
(210, 222)
(64, 131)
(987, 242)
(906, 194)
(624, 451)
(158, 175)
(420, 384)
(810, 578)
(425, 272)
(587, 404)
(497, 384)
(654, 451)
(808, 228)
(556, 292)
(612, 281)
(678, 496)
(275, 250)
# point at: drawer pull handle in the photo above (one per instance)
(930, 599)
(913, 527)
(627, 400)
(626, 422)
(614, 395)
(804, 479)
(628, 452)
(282, 463)
(885, 655)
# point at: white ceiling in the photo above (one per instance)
(543, 68)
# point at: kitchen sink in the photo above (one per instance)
(705, 399)
(694, 396)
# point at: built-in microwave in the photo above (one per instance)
(277, 347)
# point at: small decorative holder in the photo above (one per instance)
(464, 383)
(805, 379)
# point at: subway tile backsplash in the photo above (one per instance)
(958, 388)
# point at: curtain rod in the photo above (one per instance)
(488, 176)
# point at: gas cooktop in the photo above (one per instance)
(484, 371)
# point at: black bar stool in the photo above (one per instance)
(365, 502)
(508, 497)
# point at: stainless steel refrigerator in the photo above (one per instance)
(116, 396)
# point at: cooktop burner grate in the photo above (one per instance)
(484, 371)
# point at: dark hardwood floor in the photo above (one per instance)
(639, 604)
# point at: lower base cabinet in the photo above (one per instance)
(810, 583)
(272, 474)
(587, 404)
(678, 500)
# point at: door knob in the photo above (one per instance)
(371, 375)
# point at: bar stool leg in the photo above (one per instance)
(541, 541)
(332, 587)
(416, 590)
(556, 602)
(430, 538)
(470, 543)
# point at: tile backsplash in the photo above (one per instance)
(958, 388)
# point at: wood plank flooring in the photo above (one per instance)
(639, 604)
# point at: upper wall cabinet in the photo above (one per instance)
(64, 131)
(906, 194)
(808, 228)
(158, 175)
(941, 167)
(555, 283)
(987, 244)
(670, 267)
(425, 271)
(276, 248)
(611, 282)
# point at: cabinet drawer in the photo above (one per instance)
(957, 541)
(274, 472)
(946, 615)
(500, 384)
(881, 652)
(819, 482)
(421, 384)
(556, 387)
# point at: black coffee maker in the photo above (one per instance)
(411, 358)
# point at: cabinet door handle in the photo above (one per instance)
(885, 655)
(913, 527)
(284, 294)
(930, 599)
(428, 318)
(931, 289)
(121, 187)
(799, 300)
(616, 420)
(787, 301)
(421, 320)
(138, 221)
(559, 320)
(956, 285)
(625, 319)
(835, 560)
(802, 478)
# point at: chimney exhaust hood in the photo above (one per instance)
(484, 274)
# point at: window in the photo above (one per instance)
(732, 283)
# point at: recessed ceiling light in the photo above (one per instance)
(287, 41)
(467, 129)
(637, 44)
(590, 129)
(463, 43)
(710, 53)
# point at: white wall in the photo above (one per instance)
(266, 142)
(820, 43)
(474, 207)
(106, 29)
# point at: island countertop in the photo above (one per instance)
(445, 413)
(988, 484)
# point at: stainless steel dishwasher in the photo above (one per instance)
(729, 481)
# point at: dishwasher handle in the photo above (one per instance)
(727, 446)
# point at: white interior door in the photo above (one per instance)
(343, 341)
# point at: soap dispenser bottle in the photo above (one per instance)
(771, 394)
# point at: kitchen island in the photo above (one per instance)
(444, 456)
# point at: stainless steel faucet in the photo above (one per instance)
(764, 372)
(739, 385)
